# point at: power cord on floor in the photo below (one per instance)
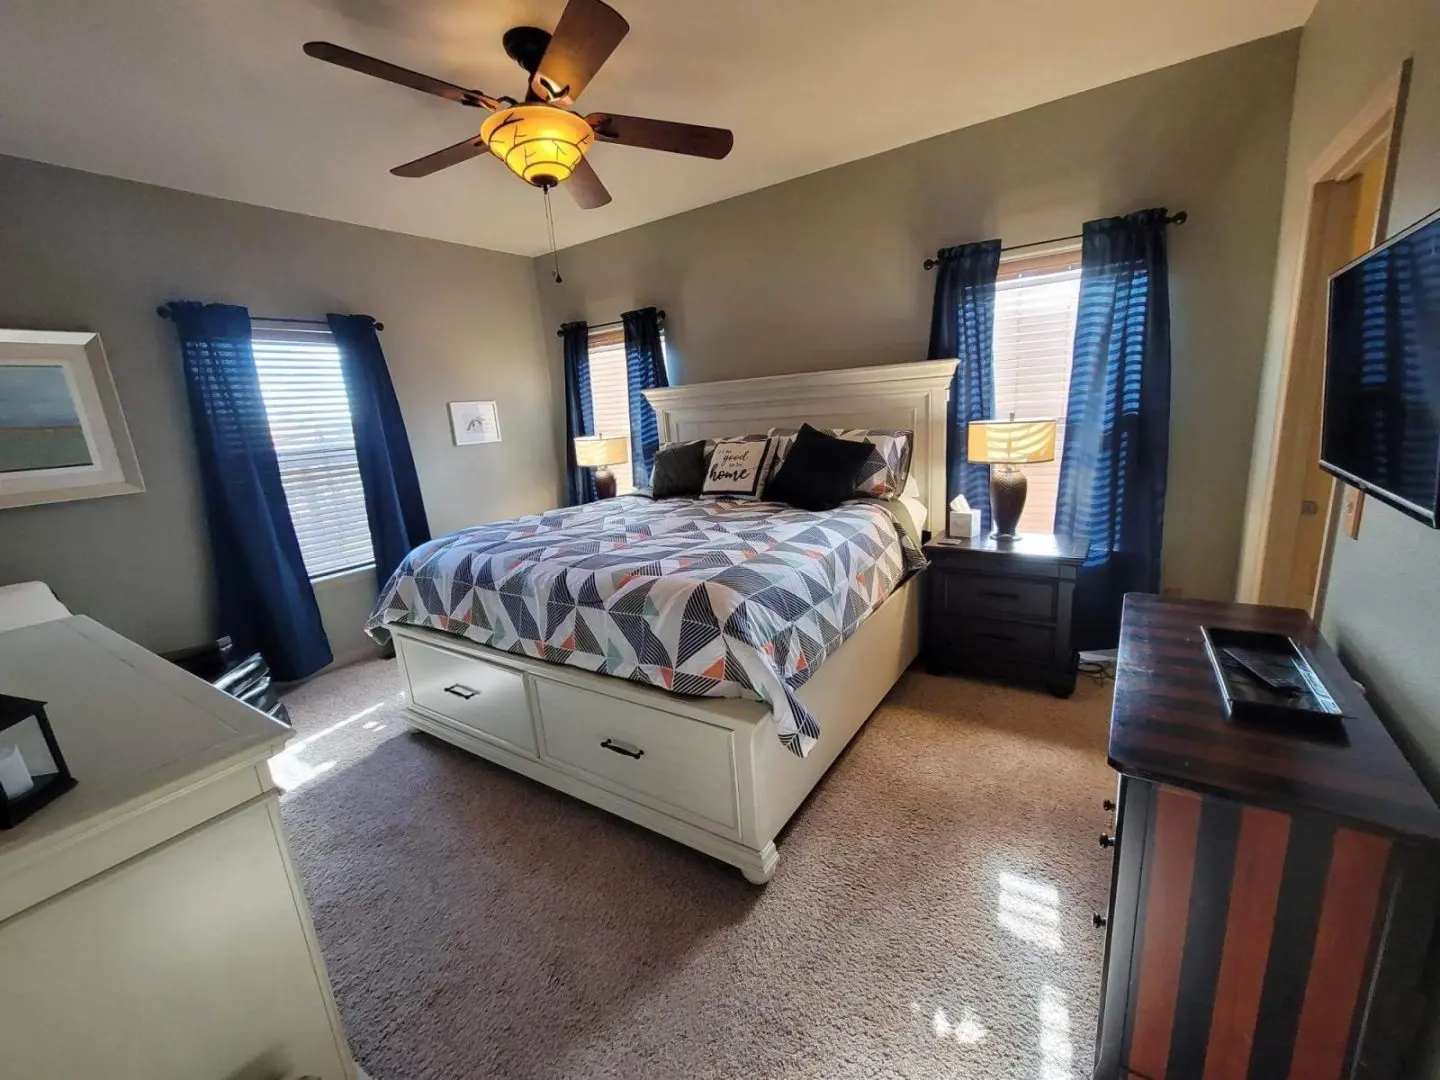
(1098, 671)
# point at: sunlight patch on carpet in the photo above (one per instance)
(295, 766)
(1031, 911)
(966, 1029)
(1056, 1053)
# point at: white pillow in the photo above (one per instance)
(914, 501)
(738, 468)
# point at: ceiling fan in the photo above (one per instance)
(540, 139)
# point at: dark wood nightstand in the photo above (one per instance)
(1001, 608)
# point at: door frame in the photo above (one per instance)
(1271, 550)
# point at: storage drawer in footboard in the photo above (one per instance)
(682, 766)
(485, 699)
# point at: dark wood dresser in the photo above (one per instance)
(1273, 898)
(1001, 608)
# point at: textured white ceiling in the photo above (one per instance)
(215, 96)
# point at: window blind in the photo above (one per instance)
(610, 394)
(1034, 344)
(309, 417)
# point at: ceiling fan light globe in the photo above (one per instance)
(538, 143)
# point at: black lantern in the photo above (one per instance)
(32, 769)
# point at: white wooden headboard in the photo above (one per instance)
(910, 396)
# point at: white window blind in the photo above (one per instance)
(309, 418)
(1035, 307)
(610, 394)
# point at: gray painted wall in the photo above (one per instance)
(824, 271)
(86, 252)
(1382, 607)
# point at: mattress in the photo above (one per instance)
(709, 597)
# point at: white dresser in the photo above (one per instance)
(151, 923)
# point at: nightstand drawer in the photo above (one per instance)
(972, 595)
(1001, 640)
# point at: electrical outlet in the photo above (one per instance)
(1352, 510)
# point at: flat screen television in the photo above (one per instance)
(1381, 429)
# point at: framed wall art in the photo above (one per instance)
(474, 422)
(62, 432)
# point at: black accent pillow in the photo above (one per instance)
(679, 470)
(819, 472)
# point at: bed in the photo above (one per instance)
(692, 665)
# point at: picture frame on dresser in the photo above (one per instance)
(62, 431)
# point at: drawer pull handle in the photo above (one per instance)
(998, 637)
(1000, 595)
(461, 691)
(621, 748)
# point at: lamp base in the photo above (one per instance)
(604, 483)
(1008, 488)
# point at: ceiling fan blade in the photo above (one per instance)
(692, 139)
(441, 159)
(380, 69)
(585, 187)
(583, 40)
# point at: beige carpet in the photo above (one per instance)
(930, 916)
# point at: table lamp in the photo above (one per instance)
(1004, 445)
(598, 452)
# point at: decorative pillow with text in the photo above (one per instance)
(739, 467)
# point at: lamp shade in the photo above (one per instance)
(1010, 442)
(540, 144)
(597, 450)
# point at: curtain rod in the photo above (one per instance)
(1174, 219)
(164, 312)
(607, 325)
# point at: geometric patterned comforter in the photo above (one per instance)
(708, 597)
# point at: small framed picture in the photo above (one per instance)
(474, 422)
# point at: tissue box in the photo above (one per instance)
(964, 524)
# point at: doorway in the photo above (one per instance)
(1304, 506)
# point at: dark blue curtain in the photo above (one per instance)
(644, 370)
(382, 449)
(1117, 425)
(579, 411)
(962, 325)
(265, 600)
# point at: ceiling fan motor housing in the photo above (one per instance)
(526, 45)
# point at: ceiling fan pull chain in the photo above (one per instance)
(550, 227)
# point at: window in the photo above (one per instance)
(309, 416)
(610, 392)
(1036, 300)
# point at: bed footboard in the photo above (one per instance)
(708, 772)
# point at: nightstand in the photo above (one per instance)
(1001, 609)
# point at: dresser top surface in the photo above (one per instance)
(131, 725)
(1169, 725)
